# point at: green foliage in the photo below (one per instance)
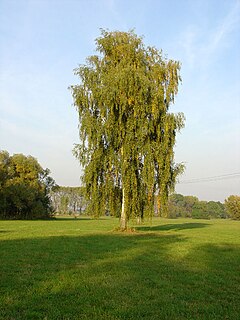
(216, 209)
(232, 204)
(181, 206)
(200, 210)
(68, 200)
(24, 187)
(126, 131)
(190, 206)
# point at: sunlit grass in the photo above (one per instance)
(82, 269)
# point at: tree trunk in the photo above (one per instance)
(123, 219)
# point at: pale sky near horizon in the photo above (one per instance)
(42, 41)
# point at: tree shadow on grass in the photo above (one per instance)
(177, 227)
(117, 276)
(71, 218)
(61, 218)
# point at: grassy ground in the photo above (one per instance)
(81, 269)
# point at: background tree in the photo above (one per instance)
(216, 209)
(232, 204)
(127, 133)
(191, 207)
(176, 205)
(68, 200)
(4, 164)
(200, 210)
(24, 187)
(181, 206)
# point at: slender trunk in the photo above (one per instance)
(139, 220)
(123, 219)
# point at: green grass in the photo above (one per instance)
(81, 269)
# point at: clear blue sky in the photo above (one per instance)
(42, 41)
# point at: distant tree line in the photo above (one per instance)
(24, 188)
(68, 200)
(192, 207)
(73, 200)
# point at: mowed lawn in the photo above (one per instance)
(83, 269)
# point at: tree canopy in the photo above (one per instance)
(127, 132)
(232, 204)
(24, 187)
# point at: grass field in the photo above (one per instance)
(82, 269)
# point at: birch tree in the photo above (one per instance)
(127, 133)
